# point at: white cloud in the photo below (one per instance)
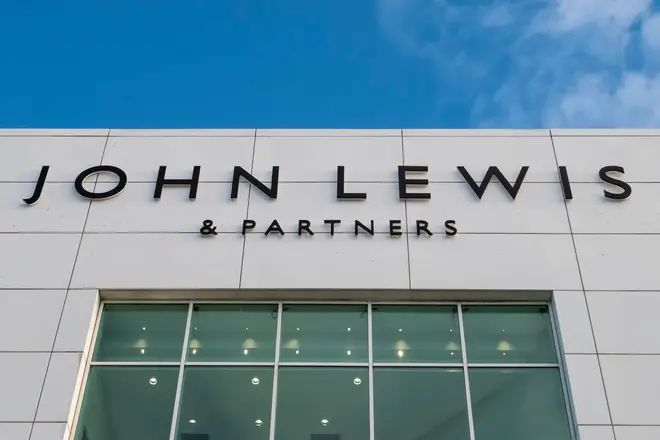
(539, 62)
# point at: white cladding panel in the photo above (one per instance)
(598, 255)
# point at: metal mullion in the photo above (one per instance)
(370, 347)
(468, 396)
(324, 364)
(273, 404)
(146, 301)
(228, 364)
(511, 365)
(562, 374)
(418, 365)
(134, 364)
(88, 361)
(179, 383)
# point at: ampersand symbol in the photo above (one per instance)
(208, 228)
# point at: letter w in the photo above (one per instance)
(494, 171)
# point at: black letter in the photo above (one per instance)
(270, 192)
(423, 225)
(403, 194)
(162, 181)
(449, 227)
(332, 224)
(358, 224)
(627, 190)
(395, 228)
(494, 171)
(303, 225)
(97, 169)
(341, 194)
(274, 226)
(565, 183)
(248, 224)
(40, 186)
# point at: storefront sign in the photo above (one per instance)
(405, 184)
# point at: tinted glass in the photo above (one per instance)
(226, 403)
(226, 333)
(324, 334)
(323, 403)
(508, 334)
(521, 403)
(416, 334)
(143, 333)
(420, 404)
(126, 403)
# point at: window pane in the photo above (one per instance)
(511, 334)
(126, 403)
(226, 403)
(323, 403)
(141, 333)
(416, 334)
(233, 333)
(420, 404)
(522, 403)
(324, 334)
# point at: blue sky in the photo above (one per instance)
(329, 63)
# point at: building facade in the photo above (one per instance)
(329, 284)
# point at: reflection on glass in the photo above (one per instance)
(324, 334)
(233, 333)
(420, 404)
(521, 403)
(319, 401)
(142, 333)
(128, 403)
(416, 334)
(226, 403)
(508, 334)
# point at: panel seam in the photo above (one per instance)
(584, 294)
(66, 295)
(247, 212)
(405, 207)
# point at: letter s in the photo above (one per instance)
(627, 190)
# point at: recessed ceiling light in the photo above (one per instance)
(258, 422)
(144, 328)
(348, 352)
(349, 329)
(297, 329)
(325, 422)
(153, 381)
(193, 421)
(400, 329)
(357, 381)
(255, 381)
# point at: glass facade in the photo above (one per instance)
(324, 372)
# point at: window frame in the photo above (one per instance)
(464, 365)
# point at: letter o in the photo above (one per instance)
(98, 169)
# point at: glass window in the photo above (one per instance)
(324, 334)
(122, 403)
(226, 403)
(324, 403)
(420, 404)
(508, 334)
(138, 387)
(518, 403)
(141, 333)
(233, 333)
(416, 334)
